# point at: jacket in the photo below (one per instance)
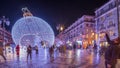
(111, 53)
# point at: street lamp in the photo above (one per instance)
(4, 21)
(60, 27)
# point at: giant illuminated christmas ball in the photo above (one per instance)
(32, 30)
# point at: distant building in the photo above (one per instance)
(106, 21)
(82, 32)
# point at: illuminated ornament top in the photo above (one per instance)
(26, 12)
(32, 30)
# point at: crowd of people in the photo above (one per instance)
(111, 53)
(29, 51)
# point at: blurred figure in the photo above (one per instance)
(74, 47)
(102, 50)
(95, 48)
(29, 52)
(1, 52)
(64, 50)
(51, 53)
(36, 48)
(112, 52)
(17, 50)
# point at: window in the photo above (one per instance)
(87, 25)
(110, 22)
(91, 30)
(91, 25)
(111, 33)
(109, 14)
(114, 34)
(87, 36)
(102, 25)
(102, 18)
(102, 35)
(87, 30)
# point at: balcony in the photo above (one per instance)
(112, 25)
(105, 9)
(102, 28)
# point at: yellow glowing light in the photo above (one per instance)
(92, 33)
(61, 28)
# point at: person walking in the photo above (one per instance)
(36, 48)
(112, 52)
(29, 52)
(95, 48)
(51, 53)
(1, 52)
(17, 50)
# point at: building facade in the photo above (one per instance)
(5, 36)
(107, 21)
(82, 32)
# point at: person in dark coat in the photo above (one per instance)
(36, 48)
(18, 50)
(51, 53)
(1, 53)
(111, 53)
(29, 52)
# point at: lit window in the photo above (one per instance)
(92, 33)
(110, 22)
(110, 13)
(87, 36)
(102, 35)
(111, 33)
(91, 30)
(87, 30)
(102, 18)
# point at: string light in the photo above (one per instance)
(27, 28)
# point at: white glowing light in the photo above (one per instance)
(32, 30)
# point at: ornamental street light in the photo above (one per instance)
(60, 27)
(4, 21)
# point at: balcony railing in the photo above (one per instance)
(102, 28)
(112, 25)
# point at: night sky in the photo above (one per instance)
(52, 11)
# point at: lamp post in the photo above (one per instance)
(4, 21)
(60, 28)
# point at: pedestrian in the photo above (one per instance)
(36, 48)
(102, 50)
(112, 52)
(1, 52)
(29, 52)
(51, 53)
(95, 47)
(74, 47)
(17, 50)
(64, 50)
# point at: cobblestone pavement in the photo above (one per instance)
(71, 59)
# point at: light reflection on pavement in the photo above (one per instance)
(72, 59)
